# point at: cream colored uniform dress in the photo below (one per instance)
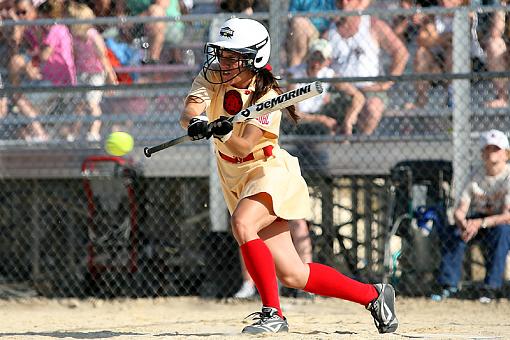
(278, 175)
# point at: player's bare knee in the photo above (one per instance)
(241, 229)
(292, 280)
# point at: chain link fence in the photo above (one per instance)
(378, 154)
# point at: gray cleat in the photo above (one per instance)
(268, 321)
(383, 309)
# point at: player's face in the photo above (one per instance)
(230, 64)
(226, 66)
(232, 67)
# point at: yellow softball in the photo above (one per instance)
(119, 143)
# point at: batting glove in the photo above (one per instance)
(198, 128)
(221, 128)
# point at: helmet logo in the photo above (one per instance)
(226, 32)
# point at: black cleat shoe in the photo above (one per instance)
(268, 321)
(383, 309)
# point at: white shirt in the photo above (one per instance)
(356, 56)
(314, 104)
(488, 194)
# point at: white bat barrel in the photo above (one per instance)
(280, 102)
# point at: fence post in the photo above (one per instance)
(275, 23)
(461, 99)
(217, 205)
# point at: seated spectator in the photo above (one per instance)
(92, 66)
(247, 7)
(483, 214)
(159, 31)
(407, 27)
(304, 30)
(357, 43)
(312, 110)
(101, 8)
(6, 12)
(496, 47)
(46, 58)
(434, 54)
(121, 53)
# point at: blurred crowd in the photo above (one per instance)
(315, 47)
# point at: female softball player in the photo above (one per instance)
(262, 183)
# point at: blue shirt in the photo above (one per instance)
(321, 24)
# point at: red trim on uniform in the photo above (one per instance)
(268, 152)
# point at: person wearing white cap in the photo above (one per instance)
(487, 199)
(316, 65)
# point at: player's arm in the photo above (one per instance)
(243, 145)
(197, 101)
(193, 107)
(240, 146)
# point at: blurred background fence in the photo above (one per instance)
(76, 222)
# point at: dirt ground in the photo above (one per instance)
(184, 318)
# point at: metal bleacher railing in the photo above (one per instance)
(46, 204)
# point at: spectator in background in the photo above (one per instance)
(407, 27)
(3, 100)
(434, 54)
(304, 30)
(159, 31)
(6, 11)
(311, 111)
(247, 7)
(92, 67)
(357, 43)
(44, 57)
(487, 199)
(101, 8)
(496, 47)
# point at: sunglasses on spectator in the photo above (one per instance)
(21, 12)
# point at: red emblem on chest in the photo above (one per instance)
(232, 102)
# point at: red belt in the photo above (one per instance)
(268, 151)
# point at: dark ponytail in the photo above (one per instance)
(264, 83)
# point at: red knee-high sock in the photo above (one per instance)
(326, 281)
(259, 263)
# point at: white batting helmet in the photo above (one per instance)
(246, 37)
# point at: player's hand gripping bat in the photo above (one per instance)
(277, 103)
